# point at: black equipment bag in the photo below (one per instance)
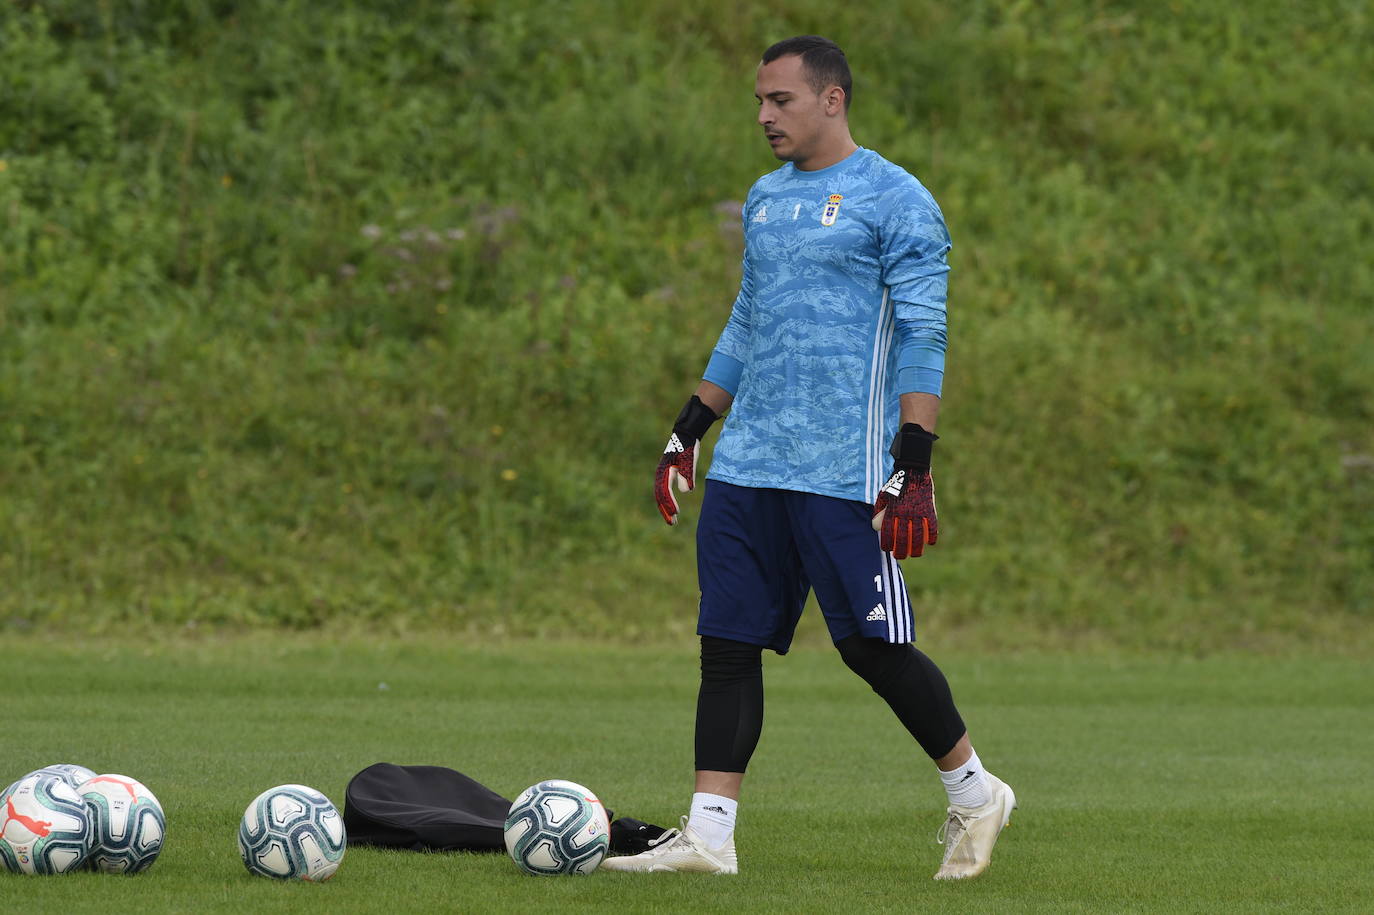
(433, 808)
(423, 808)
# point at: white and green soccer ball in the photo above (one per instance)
(44, 827)
(557, 827)
(292, 832)
(70, 773)
(127, 824)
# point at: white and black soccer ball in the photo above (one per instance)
(127, 824)
(557, 827)
(292, 832)
(44, 827)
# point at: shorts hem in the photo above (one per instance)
(747, 638)
(880, 636)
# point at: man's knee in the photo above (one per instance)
(729, 704)
(912, 685)
(879, 663)
(725, 660)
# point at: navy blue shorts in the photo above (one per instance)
(760, 551)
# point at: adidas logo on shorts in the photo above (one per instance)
(877, 615)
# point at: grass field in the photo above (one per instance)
(299, 302)
(1146, 783)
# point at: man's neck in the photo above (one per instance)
(838, 151)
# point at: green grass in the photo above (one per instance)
(346, 311)
(1146, 783)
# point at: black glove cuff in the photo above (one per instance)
(695, 419)
(631, 836)
(911, 448)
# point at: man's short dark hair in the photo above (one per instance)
(822, 61)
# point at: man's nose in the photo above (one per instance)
(765, 116)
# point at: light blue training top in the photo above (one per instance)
(841, 309)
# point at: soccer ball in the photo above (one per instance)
(44, 828)
(557, 827)
(70, 773)
(127, 824)
(292, 831)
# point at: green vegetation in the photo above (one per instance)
(1167, 785)
(377, 314)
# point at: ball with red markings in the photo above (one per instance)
(70, 773)
(127, 824)
(44, 827)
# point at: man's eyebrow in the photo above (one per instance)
(775, 93)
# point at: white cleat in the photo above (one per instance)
(969, 833)
(678, 851)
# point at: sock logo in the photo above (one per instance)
(967, 775)
(719, 810)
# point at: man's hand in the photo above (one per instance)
(904, 513)
(679, 462)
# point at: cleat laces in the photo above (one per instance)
(669, 839)
(950, 831)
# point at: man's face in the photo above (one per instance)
(791, 113)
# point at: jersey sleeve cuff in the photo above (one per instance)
(724, 372)
(919, 379)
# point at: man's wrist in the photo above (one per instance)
(912, 447)
(695, 419)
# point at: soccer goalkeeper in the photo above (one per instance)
(831, 366)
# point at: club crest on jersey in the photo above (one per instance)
(832, 209)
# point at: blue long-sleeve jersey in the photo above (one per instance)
(841, 310)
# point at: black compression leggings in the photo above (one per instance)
(912, 685)
(730, 702)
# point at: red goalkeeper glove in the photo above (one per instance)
(679, 462)
(904, 514)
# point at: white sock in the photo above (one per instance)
(712, 818)
(966, 785)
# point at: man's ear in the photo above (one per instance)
(834, 100)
